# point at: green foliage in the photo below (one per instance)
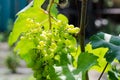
(53, 51)
(112, 75)
(87, 59)
(99, 52)
(41, 46)
(38, 3)
(27, 20)
(114, 72)
(109, 41)
(54, 10)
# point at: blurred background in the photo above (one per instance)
(102, 15)
(11, 66)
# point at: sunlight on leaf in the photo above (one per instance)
(100, 40)
(99, 52)
(62, 17)
(25, 21)
(38, 3)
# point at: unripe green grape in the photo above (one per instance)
(51, 55)
(66, 35)
(49, 34)
(69, 26)
(35, 30)
(51, 50)
(71, 30)
(65, 50)
(29, 19)
(59, 23)
(46, 57)
(57, 57)
(48, 77)
(38, 47)
(43, 37)
(67, 42)
(72, 48)
(53, 23)
(44, 32)
(44, 51)
(50, 45)
(30, 38)
(77, 29)
(22, 37)
(42, 43)
(27, 34)
(38, 24)
(53, 45)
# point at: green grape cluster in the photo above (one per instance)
(51, 46)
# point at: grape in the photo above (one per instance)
(38, 47)
(41, 43)
(70, 26)
(22, 37)
(51, 46)
(30, 20)
(58, 23)
(35, 30)
(57, 57)
(77, 29)
(38, 24)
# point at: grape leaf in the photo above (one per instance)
(67, 73)
(52, 73)
(112, 75)
(62, 18)
(54, 10)
(106, 40)
(25, 21)
(38, 3)
(85, 61)
(63, 59)
(99, 52)
(23, 46)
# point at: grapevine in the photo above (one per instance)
(48, 44)
(50, 39)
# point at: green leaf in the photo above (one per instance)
(52, 73)
(112, 75)
(107, 41)
(62, 18)
(23, 46)
(54, 10)
(26, 21)
(67, 73)
(56, 1)
(99, 52)
(25, 49)
(85, 61)
(64, 59)
(38, 3)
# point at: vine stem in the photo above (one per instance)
(49, 13)
(103, 71)
(82, 25)
(82, 34)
